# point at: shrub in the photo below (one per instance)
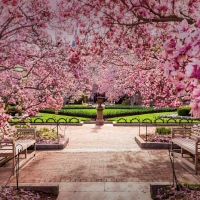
(119, 111)
(163, 130)
(126, 102)
(184, 110)
(182, 191)
(45, 135)
(24, 126)
(13, 111)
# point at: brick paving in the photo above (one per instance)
(102, 154)
(138, 166)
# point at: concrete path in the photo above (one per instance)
(102, 190)
(102, 162)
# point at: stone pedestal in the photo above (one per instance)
(100, 109)
(100, 120)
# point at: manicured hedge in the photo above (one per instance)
(163, 130)
(184, 110)
(116, 106)
(108, 113)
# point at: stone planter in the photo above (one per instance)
(153, 145)
(52, 146)
(157, 185)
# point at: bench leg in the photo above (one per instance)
(172, 146)
(196, 163)
(34, 149)
(13, 164)
(26, 153)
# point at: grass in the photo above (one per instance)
(116, 106)
(108, 112)
(52, 117)
(94, 111)
(142, 118)
(151, 116)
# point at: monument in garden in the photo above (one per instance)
(100, 120)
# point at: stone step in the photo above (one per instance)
(104, 190)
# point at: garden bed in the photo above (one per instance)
(33, 191)
(151, 137)
(61, 145)
(91, 112)
(154, 145)
(182, 191)
(161, 139)
(49, 139)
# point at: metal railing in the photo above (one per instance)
(60, 124)
(16, 167)
(158, 122)
(51, 120)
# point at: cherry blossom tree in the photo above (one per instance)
(125, 46)
(167, 31)
(36, 69)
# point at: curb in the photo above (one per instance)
(142, 144)
(94, 122)
(51, 188)
(52, 146)
(126, 124)
(154, 145)
(50, 123)
(157, 185)
(143, 124)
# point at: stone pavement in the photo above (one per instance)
(104, 191)
(102, 162)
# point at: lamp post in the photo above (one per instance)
(99, 120)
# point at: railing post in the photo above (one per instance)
(175, 180)
(57, 127)
(17, 165)
(17, 170)
(146, 131)
(57, 131)
(139, 128)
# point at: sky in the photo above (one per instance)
(52, 32)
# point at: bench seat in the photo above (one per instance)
(24, 138)
(186, 143)
(25, 144)
(20, 145)
(189, 143)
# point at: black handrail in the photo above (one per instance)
(122, 119)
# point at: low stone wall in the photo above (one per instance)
(153, 145)
(51, 188)
(94, 122)
(157, 185)
(51, 146)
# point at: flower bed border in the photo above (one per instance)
(52, 146)
(47, 123)
(51, 188)
(153, 145)
(157, 185)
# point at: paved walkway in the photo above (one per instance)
(103, 162)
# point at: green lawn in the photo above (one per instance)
(108, 112)
(142, 117)
(94, 111)
(151, 116)
(61, 118)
